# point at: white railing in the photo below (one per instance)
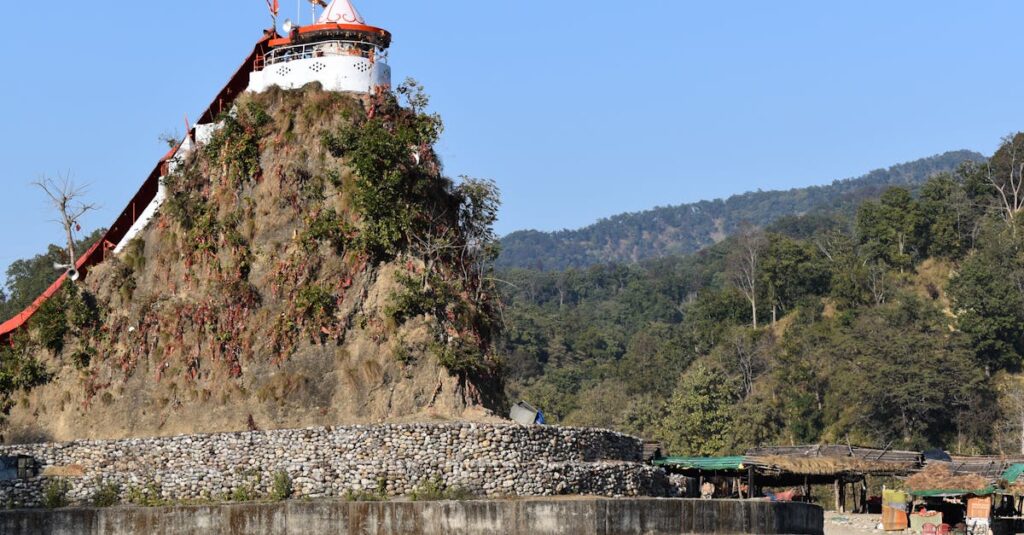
(322, 49)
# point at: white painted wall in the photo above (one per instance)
(335, 73)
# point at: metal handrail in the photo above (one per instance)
(324, 49)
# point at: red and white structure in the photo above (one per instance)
(339, 50)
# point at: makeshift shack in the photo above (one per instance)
(843, 467)
(959, 497)
(727, 474)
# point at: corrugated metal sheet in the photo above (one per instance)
(702, 463)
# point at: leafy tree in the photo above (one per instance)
(699, 417)
(396, 167)
(19, 370)
(949, 215)
(28, 278)
(792, 270)
(989, 299)
(893, 229)
(894, 377)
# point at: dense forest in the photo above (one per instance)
(687, 228)
(898, 324)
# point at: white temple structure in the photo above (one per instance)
(340, 51)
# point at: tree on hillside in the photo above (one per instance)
(699, 418)
(892, 377)
(987, 292)
(950, 217)
(790, 271)
(893, 229)
(67, 198)
(746, 354)
(1006, 175)
(744, 265)
(1010, 428)
(478, 211)
(29, 277)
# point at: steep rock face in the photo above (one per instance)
(265, 295)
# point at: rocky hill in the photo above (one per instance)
(687, 228)
(311, 266)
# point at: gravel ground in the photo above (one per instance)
(846, 524)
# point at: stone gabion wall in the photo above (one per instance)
(487, 460)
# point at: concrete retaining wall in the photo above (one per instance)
(501, 517)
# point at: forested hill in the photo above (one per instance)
(900, 325)
(686, 228)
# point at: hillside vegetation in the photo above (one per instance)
(901, 325)
(311, 266)
(687, 228)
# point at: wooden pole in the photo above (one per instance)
(838, 496)
(751, 482)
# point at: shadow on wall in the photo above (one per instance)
(26, 436)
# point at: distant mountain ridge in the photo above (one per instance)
(686, 228)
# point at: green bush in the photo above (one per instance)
(434, 490)
(107, 495)
(83, 357)
(55, 493)
(391, 189)
(325, 227)
(458, 356)
(315, 303)
(243, 494)
(378, 494)
(236, 144)
(282, 486)
(51, 324)
(83, 311)
(19, 370)
(412, 299)
(147, 496)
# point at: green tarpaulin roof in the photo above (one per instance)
(937, 493)
(1013, 473)
(702, 463)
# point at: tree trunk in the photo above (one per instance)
(753, 311)
(1022, 434)
(71, 245)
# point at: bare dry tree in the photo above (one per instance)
(744, 264)
(66, 197)
(1006, 175)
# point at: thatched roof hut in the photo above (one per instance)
(940, 479)
(833, 460)
(828, 466)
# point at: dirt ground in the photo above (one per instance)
(847, 524)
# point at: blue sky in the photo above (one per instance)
(578, 109)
